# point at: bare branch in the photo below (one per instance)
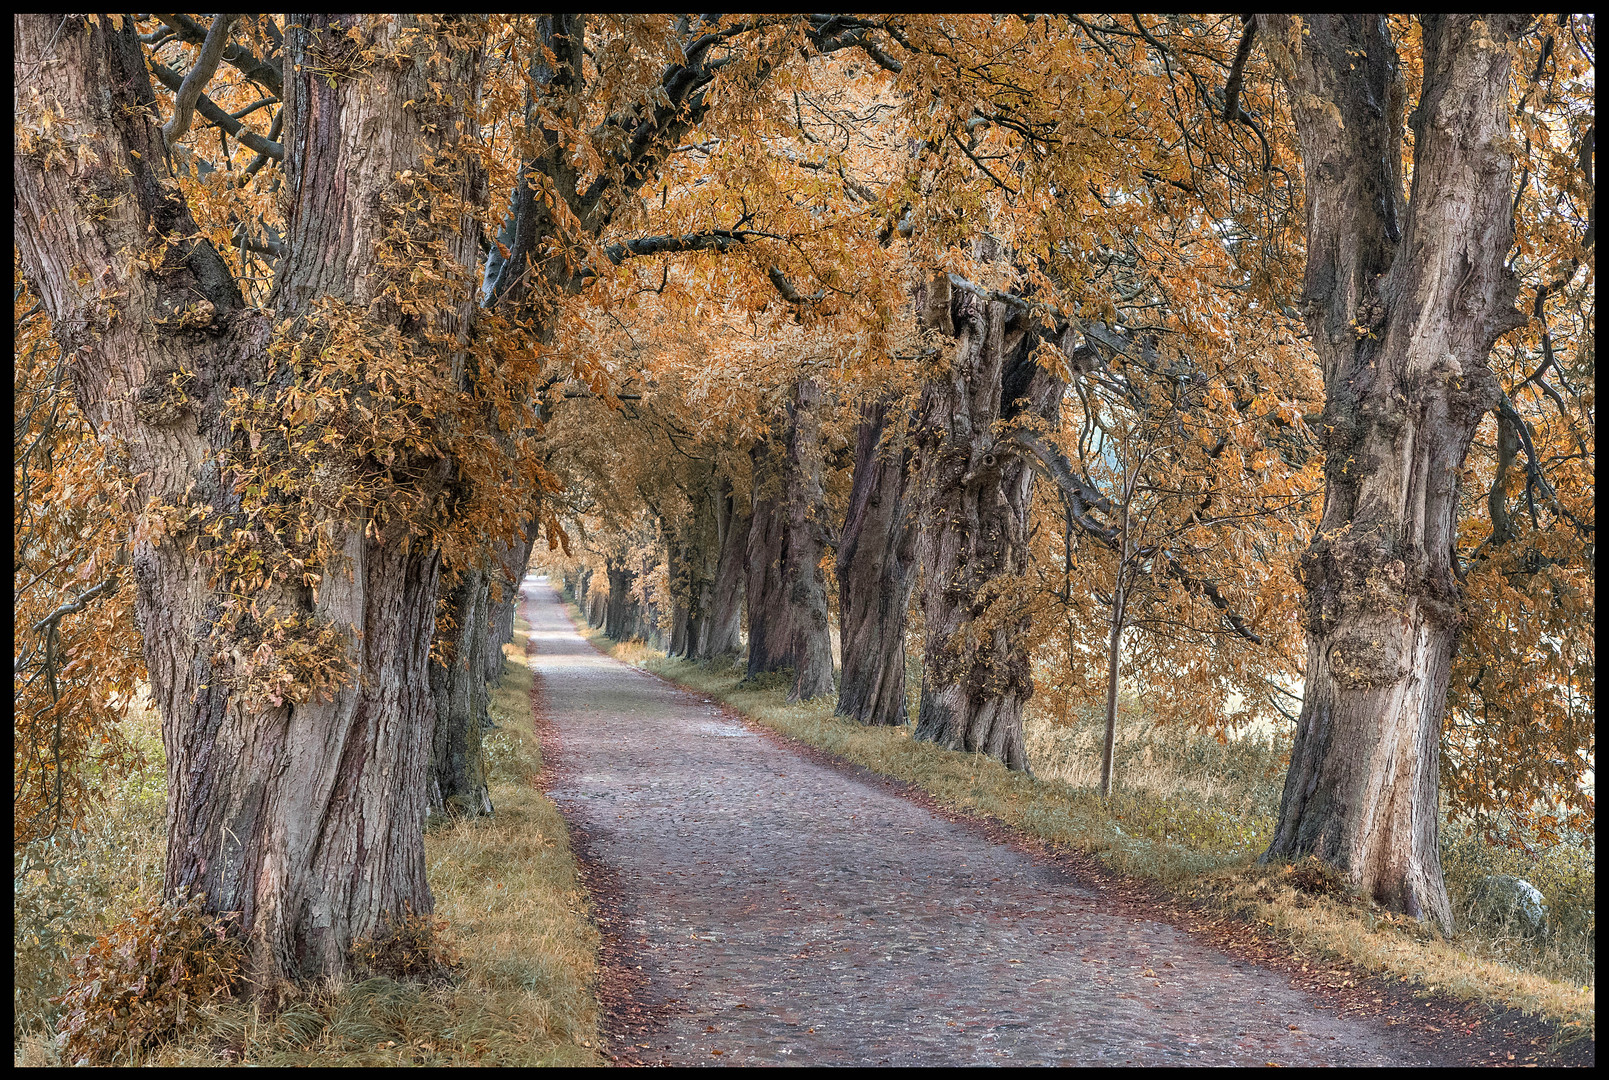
(236, 56)
(210, 112)
(184, 98)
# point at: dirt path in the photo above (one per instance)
(761, 908)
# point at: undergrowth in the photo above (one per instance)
(509, 982)
(1193, 814)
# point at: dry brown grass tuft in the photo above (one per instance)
(527, 951)
(1187, 812)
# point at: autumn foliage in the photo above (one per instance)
(144, 977)
(630, 287)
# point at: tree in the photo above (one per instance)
(976, 495)
(1404, 300)
(298, 725)
(876, 567)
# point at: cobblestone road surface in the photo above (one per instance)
(767, 909)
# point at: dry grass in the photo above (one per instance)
(507, 887)
(1193, 814)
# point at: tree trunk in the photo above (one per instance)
(770, 633)
(482, 608)
(806, 547)
(505, 599)
(690, 556)
(976, 493)
(647, 625)
(703, 555)
(725, 626)
(1403, 310)
(303, 814)
(875, 555)
(459, 686)
(1114, 661)
(621, 614)
(680, 575)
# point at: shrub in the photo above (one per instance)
(57, 897)
(144, 978)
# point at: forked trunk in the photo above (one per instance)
(296, 790)
(875, 555)
(806, 548)
(976, 493)
(1403, 309)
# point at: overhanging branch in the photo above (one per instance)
(1082, 497)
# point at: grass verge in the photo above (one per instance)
(1191, 815)
(506, 885)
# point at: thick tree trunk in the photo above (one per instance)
(806, 548)
(303, 814)
(648, 626)
(482, 610)
(1403, 310)
(875, 556)
(976, 492)
(703, 547)
(505, 599)
(724, 636)
(770, 632)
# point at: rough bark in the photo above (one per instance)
(305, 817)
(470, 663)
(677, 558)
(976, 493)
(648, 626)
(1404, 304)
(691, 552)
(725, 627)
(513, 560)
(459, 687)
(770, 634)
(806, 548)
(703, 545)
(876, 554)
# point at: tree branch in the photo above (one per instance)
(1083, 497)
(210, 111)
(791, 294)
(184, 98)
(236, 56)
